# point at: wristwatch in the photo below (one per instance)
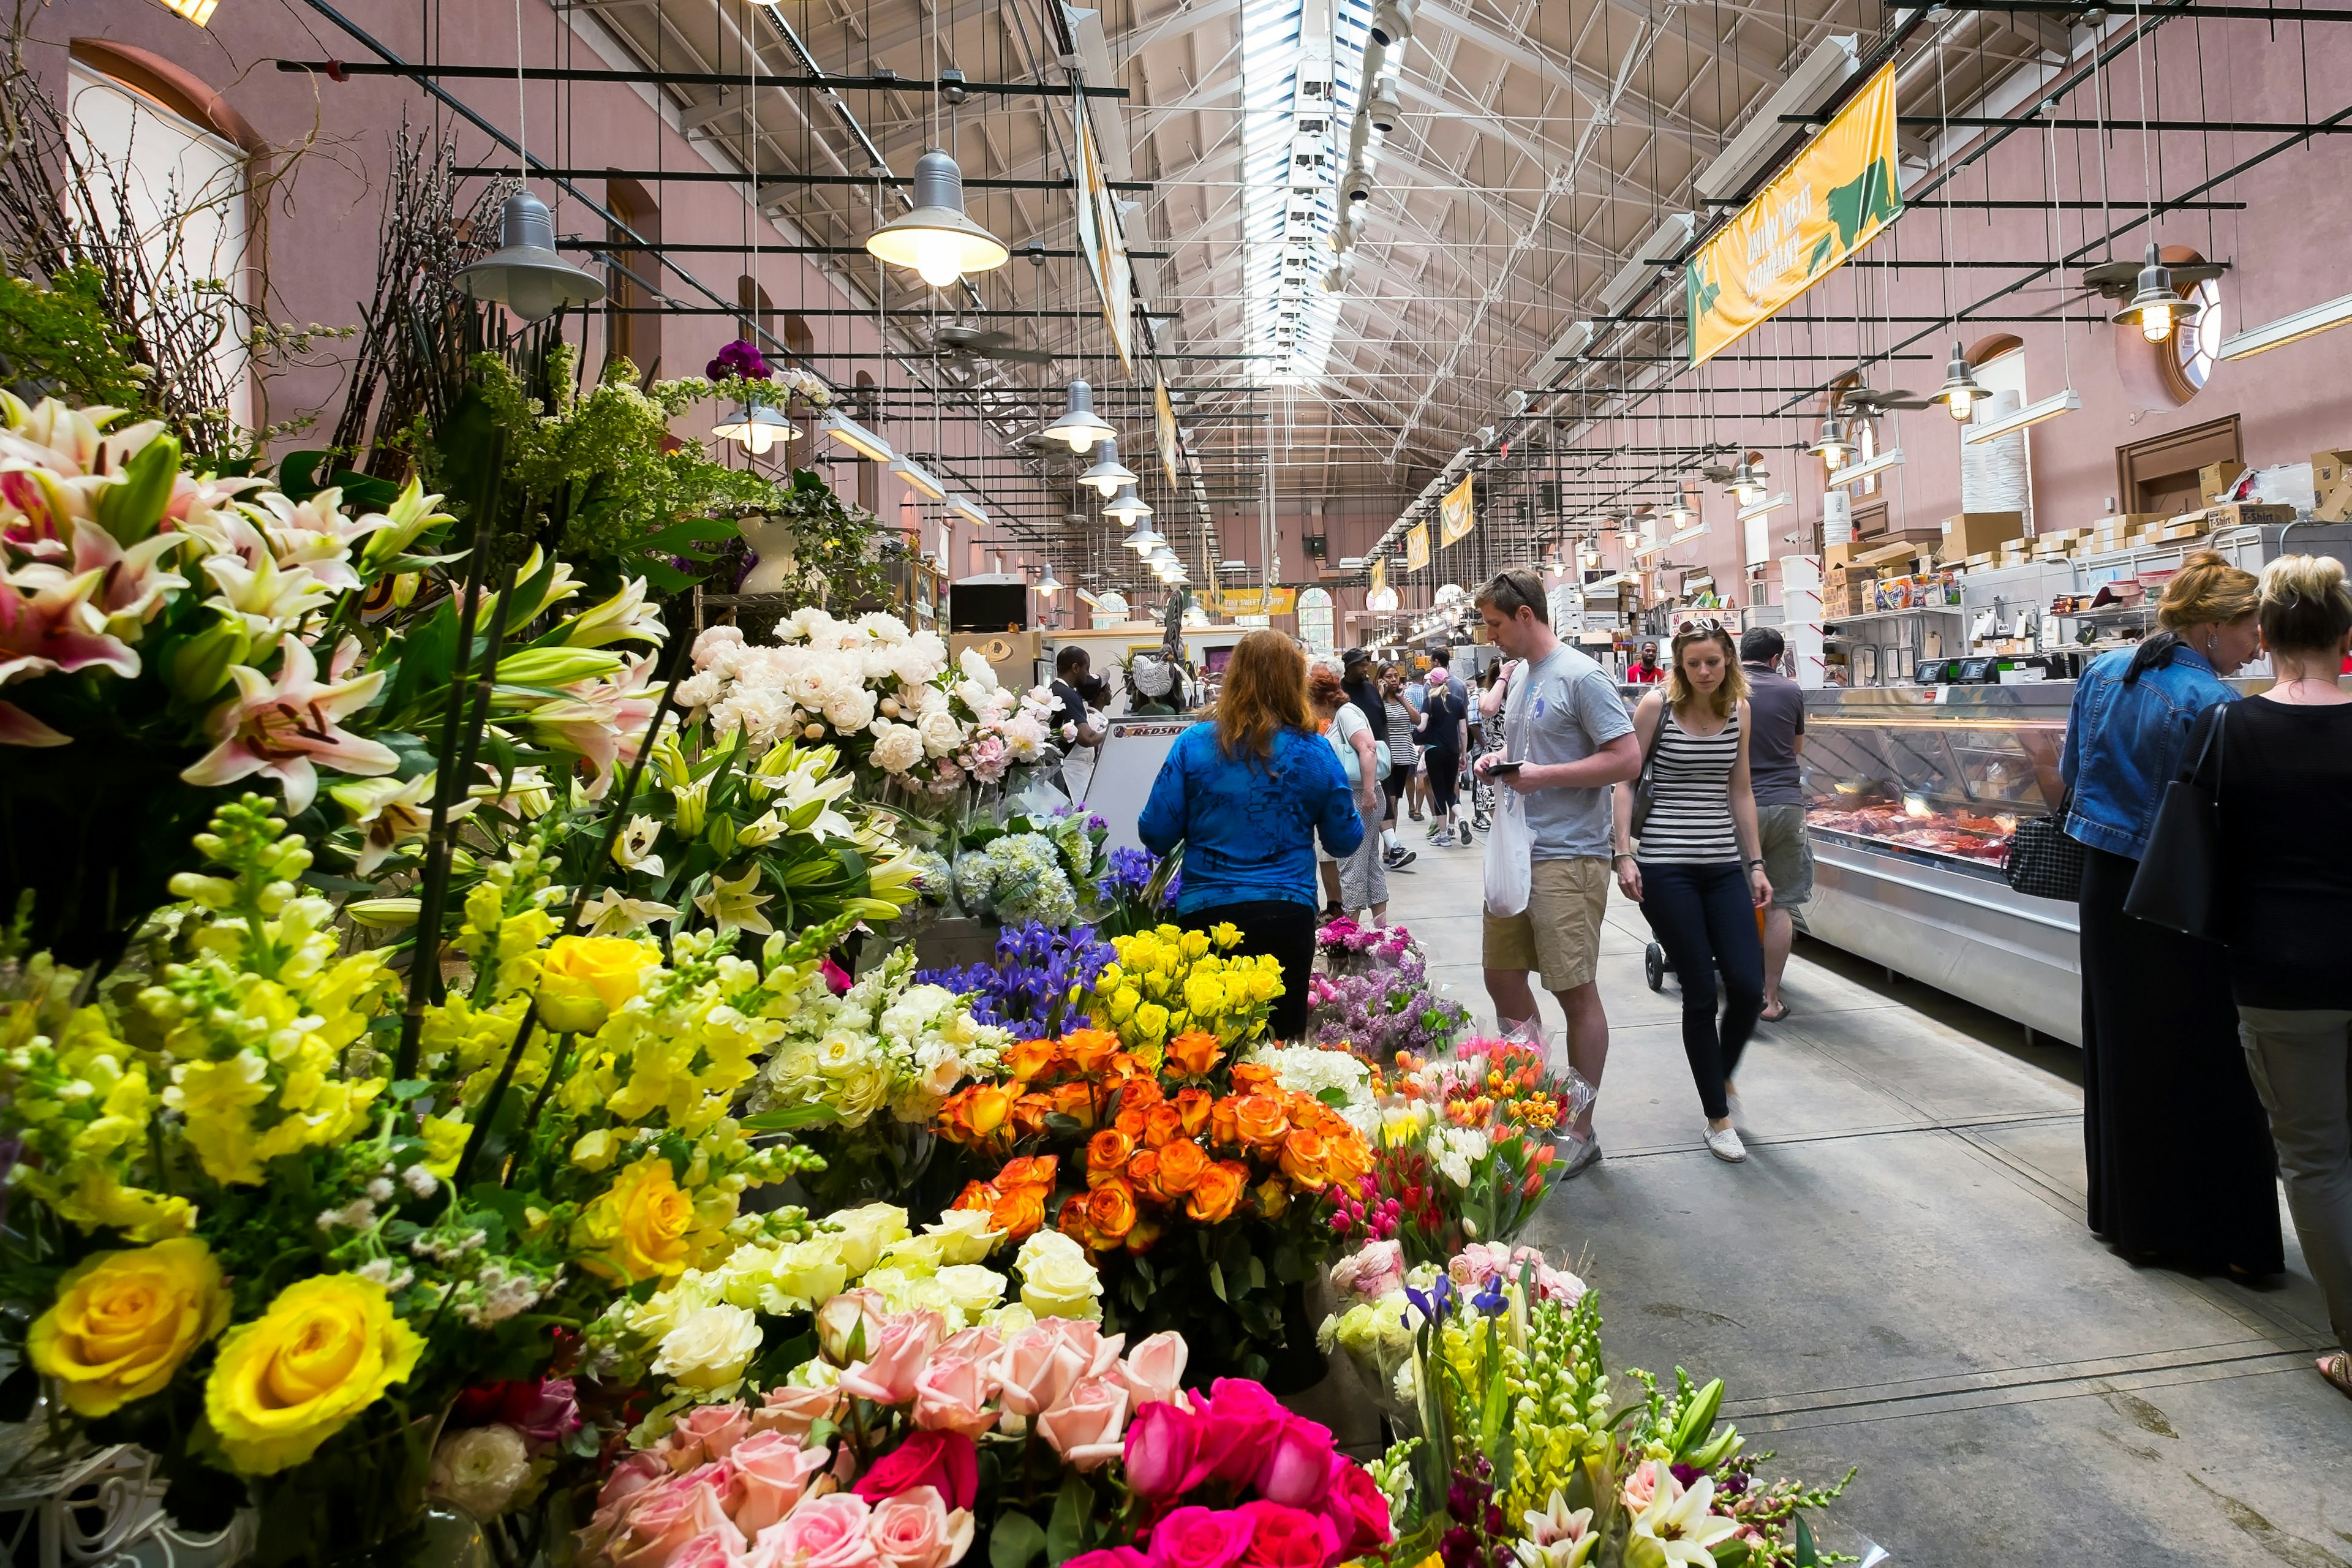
(1758, 861)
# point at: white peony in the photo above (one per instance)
(710, 1349)
(897, 747)
(942, 732)
(849, 708)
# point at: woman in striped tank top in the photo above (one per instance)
(1698, 873)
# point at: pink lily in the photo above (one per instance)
(55, 626)
(19, 728)
(317, 533)
(129, 588)
(278, 728)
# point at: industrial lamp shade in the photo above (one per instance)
(1049, 584)
(1831, 445)
(1079, 424)
(1129, 507)
(524, 273)
(2156, 307)
(756, 427)
(1144, 539)
(1747, 483)
(937, 239)
(1108, 474)
(1959, 392)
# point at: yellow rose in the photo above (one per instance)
(123, 1322)
(325, 1351)
(963, 1237)
(585, 979)
(641, 1228)
(1151, 1021)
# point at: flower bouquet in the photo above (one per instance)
(1167, 982)
(1029, 987)
(1031, 867)
(1136, 891)
(1383, 1009)
(1348, 948)
(1374, 1322)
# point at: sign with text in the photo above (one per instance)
(1100, 238)
(1257, 601)
(1829, 203)
(1416, 547)
(1457, 514)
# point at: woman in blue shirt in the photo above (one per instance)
(2177, 1145)
(1246, 794)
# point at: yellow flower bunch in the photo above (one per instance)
(1169, 983)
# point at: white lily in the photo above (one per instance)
(389, 813)
(398, 529)
(268, 599)
(634, 847)
(1558, 1536)
(761, 831)
(613, 913)
(732, 906)
(624, 617)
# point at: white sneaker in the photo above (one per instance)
(1724, 1143)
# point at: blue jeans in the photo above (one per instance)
(1704, 920)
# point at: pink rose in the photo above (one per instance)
(945, 1461)
(849, 1326)
(1288, 1537)
(956, 1392)
(894, 1358)
(705, 1432)
(1162, 1452)
(1108, 1557)
(1153, 1371)
(630, 1476)
(1201, 1538)
(773, 1470)
(1084, 1429)
(1371, 1271)
(711, 1549)
(793, 1411)
(666, 1519)
(1242, 1420)
(1642, 1486)
(1298, 1466)
(917, 1530)
(827, 1532)
(1357, 1508)
(1041, 1363)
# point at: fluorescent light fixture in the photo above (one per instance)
(1233, 565)
(1352, 562)
(2032, 414)
(964, 506)
(1665, 242)
(1878, 465)
(2288, 329)
(1809, 86)
(915, 474)
(200, 12)
(857, 438)
(1762, 507)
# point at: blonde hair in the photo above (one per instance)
(1265, 691)
(2206, 591)
(1724, 697)
(2306, 607)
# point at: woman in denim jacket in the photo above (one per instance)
(2179, 1151)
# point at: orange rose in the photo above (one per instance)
(1072, 1221)
(1029, 1113)
(976, 1195)
(1252, 1076)
(1076, 1101)
(1224, 1127)
(1218, 1190)
(1259, 1121)
(1130, 1123)
(1348, 1156)
(1272, 1198)
(1304, 1159)
(1028, 1059)
(1029, 1171)
(1196, 1052)
(1140, 1094)
(1194, 1104)
(1141, 1238)
(1180, 1166)
(1143, 1172)
(1019, 1213)
(1125, 1069)
(1088, 1048)
(1110, 1213)
(1106, 1154)
(1162, 1124)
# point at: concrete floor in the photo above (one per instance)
(1899, 1279)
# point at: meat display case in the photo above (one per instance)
(1911, 794)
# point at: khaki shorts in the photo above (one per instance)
(1559, 934)
(1787, 854)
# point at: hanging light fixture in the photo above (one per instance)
(1143, 541)
(1108, 473)
(524, 273)
(756, 427)
(1049, 584)
(857, 438)
(937, 239)
(1832, 445)
(1079, 424)
(1747, 483)
(2156, 307)
(1960, 391)
(1129, 507)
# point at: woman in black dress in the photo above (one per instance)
(2176, 1146)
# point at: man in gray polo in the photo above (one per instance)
(1776, 741)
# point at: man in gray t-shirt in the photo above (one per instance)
(1566, 728)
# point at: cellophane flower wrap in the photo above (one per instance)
(1133, 893)
(320, 1250)
(1523, 1456)
(1380, 1003)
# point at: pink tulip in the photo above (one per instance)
(1298, 1468)
(957, 1390)
(1086, 1430)
(895, 1358)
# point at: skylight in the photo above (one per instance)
(1299, 88)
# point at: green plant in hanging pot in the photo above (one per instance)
(814, 548)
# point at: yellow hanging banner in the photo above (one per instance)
(1379, 578)
(1416, 547)
(1256, 601)
(1456, 514)
(1163, 414)
(1828, 203)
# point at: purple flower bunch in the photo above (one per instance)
(1029, 985)
(1381, 1011)
(1123, 890)
(1347, 947)
(739, 358)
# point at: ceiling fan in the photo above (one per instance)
(1716, 474)
(1869, 403)
(958, 340)
(2117, 280)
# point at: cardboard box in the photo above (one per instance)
(2331, 483)
(1970, 531)
(2127, 520)
(2247, 514)
(1887, 554)
(2214, 479)
(1836, 555)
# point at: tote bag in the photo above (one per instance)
(2045, 860)
(2179, 882)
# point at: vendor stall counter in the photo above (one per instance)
(1911, 795)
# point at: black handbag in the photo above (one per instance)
(2045, 860)
(1645, 783)
(2179, 883)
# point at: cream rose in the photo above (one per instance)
(479, 1468)
(963, 1235)
(1056, 1281)
(865, 1232)
(942, 732)
(710, 1349)
(970, 1288)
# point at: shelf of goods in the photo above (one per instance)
(1911, 794)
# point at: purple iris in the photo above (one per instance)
(1131, 870)
(1033, 978)
(1491, 1300)
(738, 358)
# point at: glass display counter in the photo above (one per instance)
(1911, 794)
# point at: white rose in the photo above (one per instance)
(971, 1289)
(709, 1350)
(975, 667)
(964, 1237)
(942, 732)
(478, 1469)
(1056, 1281)
(865, 1232)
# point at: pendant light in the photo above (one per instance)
(1143, 541)
(1108, 474)
(756, 427)
(1079, 424)
(1747, 483)
(1959, 392)
(1129, 507)
(524, 273)
(1831, 445)
(1049, 584)
(937, 239)
(2156, 306)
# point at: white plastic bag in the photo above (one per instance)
(1510, 849)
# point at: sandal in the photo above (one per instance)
(1768, 1016)
(2337, 1370)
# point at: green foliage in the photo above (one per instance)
(836, 562)
(58, 341)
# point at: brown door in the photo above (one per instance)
(2159, 475)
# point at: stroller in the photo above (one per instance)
(1656, 966)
